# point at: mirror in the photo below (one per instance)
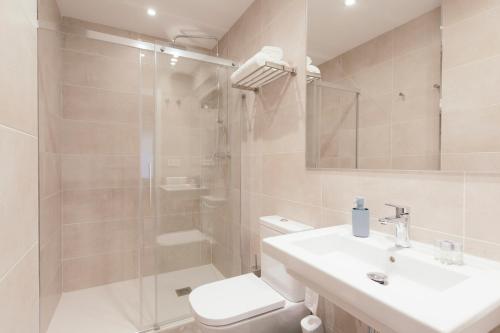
(402, 84)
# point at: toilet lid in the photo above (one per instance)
(229, 301)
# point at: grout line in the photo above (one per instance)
(465, 19)
(471, 63)
(74, 85)
(18, 131)
(13, 267)
(100, 254)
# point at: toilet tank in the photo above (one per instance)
(273, 272)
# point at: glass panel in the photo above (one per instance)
(147, 258)
(332, 117)
(195, 233)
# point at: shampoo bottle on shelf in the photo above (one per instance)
(360, 219)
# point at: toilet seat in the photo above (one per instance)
(232, 300)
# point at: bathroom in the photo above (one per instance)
(148, 150)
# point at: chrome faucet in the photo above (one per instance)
(402, 223)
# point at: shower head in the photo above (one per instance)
(174, 41)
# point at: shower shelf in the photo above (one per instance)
(264, 75)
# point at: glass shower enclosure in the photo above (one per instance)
(150, 202)
(190, 235)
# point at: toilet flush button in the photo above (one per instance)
(284, 220)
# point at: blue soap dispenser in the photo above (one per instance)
(360, 218)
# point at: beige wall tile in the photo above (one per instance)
(480, 35)
(472, 86)
(96, 270)
(19, 295)
(284, 176)
(415, 190)
(284, 130)
(49, 127)
(418, 33)
(403, 135)
(19, 196)
(50, 218)
(99, 171)
(370, 54)
(416, 162)
(475, 162)
(375, 80)
(81, 137)
(88, 239)
(48, 11)
(471, 131)
(100, 205)
(417, 105)
(457, 10)
(375, 142)
(100, 72)
(83, 103)
(49, 71)
(181, 141)
(18, 68)
(482, 249)
(481, 193)
(418, 71)
(86, 45)
(49, 132)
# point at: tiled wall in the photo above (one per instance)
(105, 162)
(18, 167)
(100, 161)
(180, 130)
(398, 105)
(275, 181)
(471, 103)
(50, 122)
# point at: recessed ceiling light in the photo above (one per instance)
(349, 3)
(151, 12)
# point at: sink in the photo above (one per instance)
(420, 294)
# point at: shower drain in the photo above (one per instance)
(183, 291)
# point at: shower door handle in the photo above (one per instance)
(150, 167)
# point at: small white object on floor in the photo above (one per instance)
(311, 324)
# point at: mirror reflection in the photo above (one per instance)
(374, 84)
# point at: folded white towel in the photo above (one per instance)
(313, 69)
(273, 51)
(268, 53)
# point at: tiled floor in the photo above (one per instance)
(115, 308)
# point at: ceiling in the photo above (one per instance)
(335, 28)
(208, 17)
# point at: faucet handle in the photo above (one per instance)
(400, 210)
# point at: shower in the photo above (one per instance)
(152, 211)
(222, 127)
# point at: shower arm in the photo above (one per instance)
(199, 37)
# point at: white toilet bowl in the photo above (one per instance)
(245, 304)
(248, 304)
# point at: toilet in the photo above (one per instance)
(273, 303)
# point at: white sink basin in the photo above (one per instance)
(422, 295)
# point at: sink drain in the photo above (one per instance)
(380, 278)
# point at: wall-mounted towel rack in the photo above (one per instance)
(310, 76)
(263, 75)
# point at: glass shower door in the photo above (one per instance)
(190, 238)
